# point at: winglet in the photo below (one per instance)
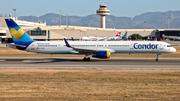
(72, 39)
(67, 44)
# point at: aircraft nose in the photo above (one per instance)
(174, 49)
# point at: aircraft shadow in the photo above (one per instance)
(54, 60)
(48, 60)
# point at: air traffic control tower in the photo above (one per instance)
(103, 12)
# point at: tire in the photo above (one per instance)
(84, 59)
(88, 59)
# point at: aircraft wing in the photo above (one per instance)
(86, 50)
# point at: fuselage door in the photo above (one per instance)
(161, 46)
(33, 46)
(131, 46)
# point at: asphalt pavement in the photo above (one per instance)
(119, 63)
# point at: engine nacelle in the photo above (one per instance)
(102, 54)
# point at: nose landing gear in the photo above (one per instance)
(157, 58)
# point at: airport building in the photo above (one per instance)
(41, 32)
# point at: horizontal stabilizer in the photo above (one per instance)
(10, 44)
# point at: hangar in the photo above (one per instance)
(167, 32)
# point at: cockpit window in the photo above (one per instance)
(169, 46)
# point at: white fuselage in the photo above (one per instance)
(59, 47)
(112, 38)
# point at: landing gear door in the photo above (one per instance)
(161, 46)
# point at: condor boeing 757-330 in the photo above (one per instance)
(98, 49)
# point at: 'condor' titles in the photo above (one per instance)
(145, 46)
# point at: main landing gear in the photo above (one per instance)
(157, 58)
(87, 58)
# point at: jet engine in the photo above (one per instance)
(101, 54)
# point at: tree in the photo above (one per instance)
(136, 36)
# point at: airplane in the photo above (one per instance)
(171, 37)
(124, 36)
(118, 34)
(118, 37)
(113, 38)
(98, 49)
(94, 38)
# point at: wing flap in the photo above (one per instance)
(84, 50)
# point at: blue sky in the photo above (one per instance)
(119, 8)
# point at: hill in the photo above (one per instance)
(152, 20)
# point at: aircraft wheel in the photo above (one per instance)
(84, 59)
(157, 60)
(88, 59)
